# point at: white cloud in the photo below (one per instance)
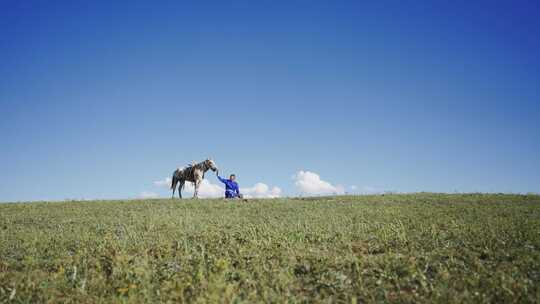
(310, 183)
(147, 194)
(210, 190)
(206, 189)
(163, 183)
(260, 190)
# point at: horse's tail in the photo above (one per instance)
(174, 179)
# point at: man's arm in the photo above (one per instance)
(223, 180)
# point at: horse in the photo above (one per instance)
(193, 173)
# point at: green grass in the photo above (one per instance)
(392, 248)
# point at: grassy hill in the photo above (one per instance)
(403, 248)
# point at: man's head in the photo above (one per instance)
(232, 177)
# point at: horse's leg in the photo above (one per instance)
(196, 191)
(180, 189)
(174, 182)
(197, 179)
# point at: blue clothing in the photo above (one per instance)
(231, 188)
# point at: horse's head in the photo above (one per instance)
(210, 164)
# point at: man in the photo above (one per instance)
(231, 186)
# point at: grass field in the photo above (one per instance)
(392, 248)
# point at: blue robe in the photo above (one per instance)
(231, 188)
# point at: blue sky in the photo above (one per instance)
(102, 100)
